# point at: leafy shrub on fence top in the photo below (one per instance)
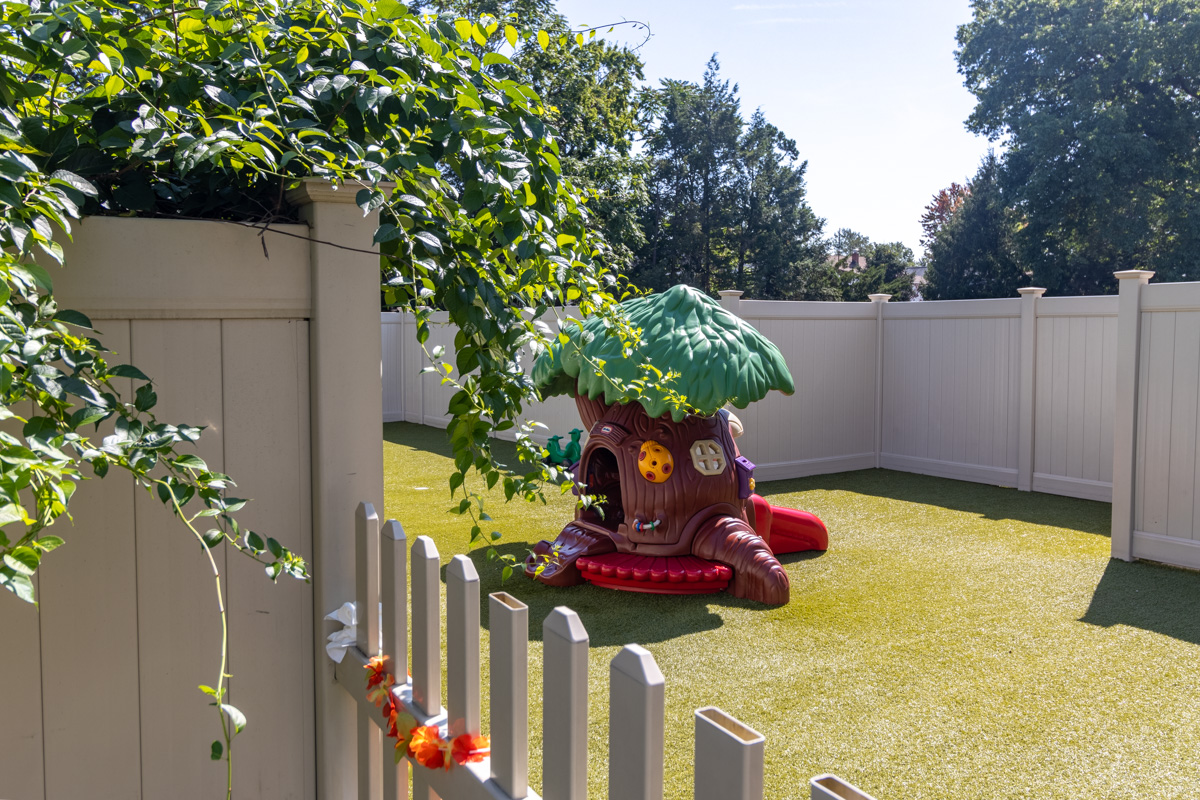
(215, 109)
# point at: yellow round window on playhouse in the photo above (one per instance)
(655, 462)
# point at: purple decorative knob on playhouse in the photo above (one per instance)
(745, 473)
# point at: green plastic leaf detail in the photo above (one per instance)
(720, 359)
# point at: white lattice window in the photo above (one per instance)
(707, 457)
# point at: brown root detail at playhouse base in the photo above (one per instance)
(675, 510)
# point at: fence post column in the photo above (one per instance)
(346, 399)
(1025, 432)
(879, 300)
(1125, 410)
(731, 301)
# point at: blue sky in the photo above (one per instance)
(869, 89)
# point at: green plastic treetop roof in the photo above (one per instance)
(719, 358)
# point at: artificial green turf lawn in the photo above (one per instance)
(956, 641)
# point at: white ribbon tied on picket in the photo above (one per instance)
(339, 641)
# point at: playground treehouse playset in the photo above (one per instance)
(678, 513)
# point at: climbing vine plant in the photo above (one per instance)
(214, 109)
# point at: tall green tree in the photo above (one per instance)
(940, 209)
(779, 253)
(845, 242)
(887, 271)
(1099, 104)
(592, 97)
(694, 150)
(974, 254)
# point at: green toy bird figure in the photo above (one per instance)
(571, 454)
(556, 452)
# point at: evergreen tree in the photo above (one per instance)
(727, 201)
(779, 251)
(974, 254)
(694, 150)
(887, 272)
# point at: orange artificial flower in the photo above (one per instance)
(380, 691)
(470, 748)
(428, 748)
(377, 667)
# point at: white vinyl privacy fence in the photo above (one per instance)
(1090, 397)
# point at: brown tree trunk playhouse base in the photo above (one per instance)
(676, 510)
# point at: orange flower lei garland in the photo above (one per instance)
(422, 743)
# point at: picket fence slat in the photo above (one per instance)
(636, 726)
(729, 758)
(564, 706)
(462, 646)
(366, 593)
(393, 588)
(426, 627)
(729, 754)
(366, 577)
(509, 655)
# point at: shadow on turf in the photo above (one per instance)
(611, 618)
(988, 502)
(1153, 597)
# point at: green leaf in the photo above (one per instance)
(75, 182)
(35, 274)
(21, 586)
(275, 548)
(255, 542)
(217, 750)
(463, 28)
(510, 33)
(10, 513)
(48, 543)
(429, 241)
(234, 716)
(127, 371)
(74, 318)
(145, 397)
(221, 96)
(543, 39)
(189, 461)
(88, 415)
(212, 538)
(23, 560)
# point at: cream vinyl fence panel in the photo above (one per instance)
(951, 389)
(828, 424)
(1074, 396)
(127, 624)
(1166, 512)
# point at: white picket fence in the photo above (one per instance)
(728, 754)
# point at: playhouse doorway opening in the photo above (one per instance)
(602, 476)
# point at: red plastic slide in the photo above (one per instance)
(788, 530)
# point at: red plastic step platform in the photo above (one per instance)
(655, 574)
